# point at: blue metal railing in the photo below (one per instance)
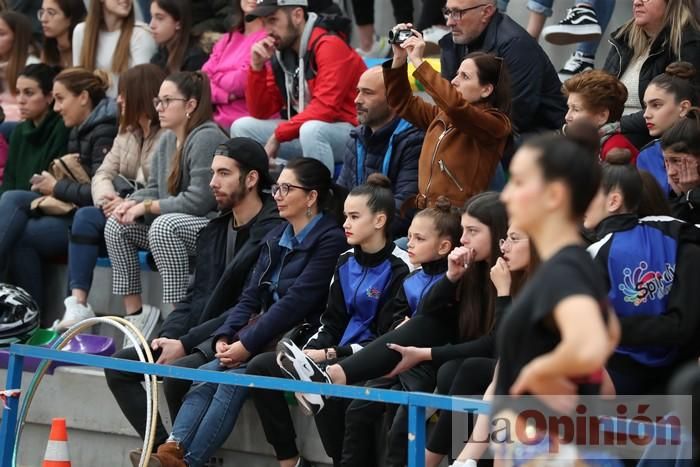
(416, 402)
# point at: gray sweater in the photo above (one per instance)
(194, 197)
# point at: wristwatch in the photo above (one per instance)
(147, 205)
(331, 354)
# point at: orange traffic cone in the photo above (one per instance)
(57, 448)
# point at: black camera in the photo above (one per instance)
(399, 36)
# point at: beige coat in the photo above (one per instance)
(130, 157)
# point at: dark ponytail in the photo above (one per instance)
(314, 175)
(380, 198)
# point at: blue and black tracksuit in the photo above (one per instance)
(360, 307)
(649, 265)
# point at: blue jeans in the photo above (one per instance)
(207, 416)
(318, 140)
(86, 244)
(27, 242)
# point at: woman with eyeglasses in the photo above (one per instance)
(166, 216)
(660, 32)
(125, 168)
(467, 127)
(288, 286)
(58, 19)
(459, 308)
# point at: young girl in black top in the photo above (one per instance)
(359, 308)
(555, 338)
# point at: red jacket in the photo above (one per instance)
(332, 89)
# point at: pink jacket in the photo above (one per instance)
(227, 69)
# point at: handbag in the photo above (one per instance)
(125, 186)
(65, 167)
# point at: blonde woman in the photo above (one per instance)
(660, 32)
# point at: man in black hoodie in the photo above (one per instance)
(227, 249)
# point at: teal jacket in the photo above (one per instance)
(32, 149)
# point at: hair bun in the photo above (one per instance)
(619, 156)
(584, 134)
(379, 180)
(681, 70)
(104, 78)
(443, 204)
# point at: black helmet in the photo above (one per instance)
(19, 315)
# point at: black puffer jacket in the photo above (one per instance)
(538, 103)
(660, 56)
(92, 139)
(193, 60)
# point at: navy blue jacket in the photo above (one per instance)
(360, 300)
(537, 99)
(402, 167)
(217, 286)
(415, 287)
(649, 264)
(651, 159)
(257, 319)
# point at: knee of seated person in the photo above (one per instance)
(260, 364)
(87, 217)
(310, 131)
(162, 227)
(243, 127)
(16, 197)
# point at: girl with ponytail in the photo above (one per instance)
(658, 321)
(166, 216)
(667, 98)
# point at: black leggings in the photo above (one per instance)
(277, 420)
(364, 11)
(363, 417)
(376, 360)
(468, 377)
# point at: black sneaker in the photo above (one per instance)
(298, 366)
(580, 24)
(577, 63)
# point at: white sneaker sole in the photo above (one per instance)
(558, 34)
(299, 362)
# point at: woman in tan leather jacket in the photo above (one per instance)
(466, 129)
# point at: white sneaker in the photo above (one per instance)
(145, 322)
(435, 33)
(380, 49)
(75, 313)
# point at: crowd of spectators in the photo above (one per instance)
(315, 218)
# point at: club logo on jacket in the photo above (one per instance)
(373, 292)
(641, 285)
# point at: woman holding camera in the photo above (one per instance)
(466, 129)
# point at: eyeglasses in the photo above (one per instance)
(457, 14)
(510, 241)
(50, 12)
(165, 101)
(283, 188)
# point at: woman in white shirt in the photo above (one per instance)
(111, 39)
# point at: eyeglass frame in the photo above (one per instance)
(283, 189)
(51, 12)
(458, 14)
(510, 241)
(165, 102)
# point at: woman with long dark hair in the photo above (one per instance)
(58, 19)
(166, 216)
(171, 26)
(17, 50)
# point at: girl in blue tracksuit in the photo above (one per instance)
(360, 307)
(649, 266)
